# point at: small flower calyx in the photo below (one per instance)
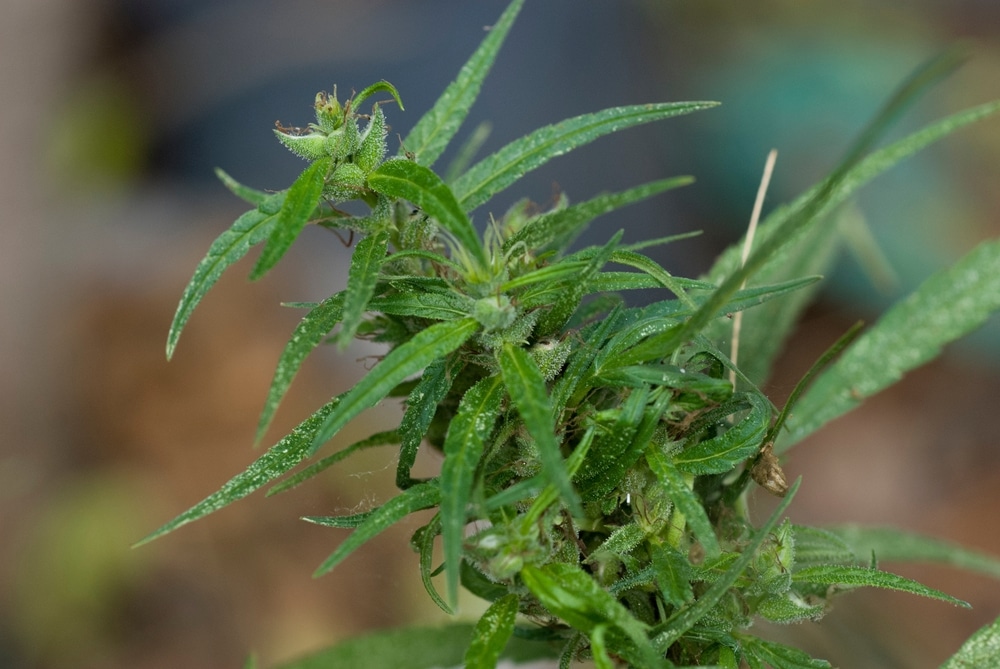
(336, 135)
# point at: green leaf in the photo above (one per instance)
(420, 496)
(247, 231)
(789, 607)
(566, 269)
(467, 151)
(348, 522)
(300, 201)
(421, 405)
(599, 649)
(721, 454)
(684, 498)
(387, 438)
(779, 656)
(687, 617)
(673, 574)
(383, 86)
(653, 269)
(835, 574)
(499, 170)
(463, 447)
(671, 376)
(277, 460)
(416, 183)
(527, 390)
(479, 585)
(492, 633)
(619, 543)
(435, 129)
(580, 360)
(413, 648)
(895, 545)
(423, 540)
(621, 443)
(251, 195)
(559, 227)
(554, 321)
(308, 334)
(946, 306)
(659, 342)
(982, 649)
(361, 279)
(575, 597)
(766, 329)
(432, 306)
(403, 361)
(818, 546)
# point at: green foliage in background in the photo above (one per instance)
(595, 457)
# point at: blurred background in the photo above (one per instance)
(115, 113)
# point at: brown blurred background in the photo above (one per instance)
(115, 113)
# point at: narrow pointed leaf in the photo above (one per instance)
(275, 462)
(820, 546)
(434, 306)
(421, 496)
(412, 648)
(765, 330)
(673, 574)
(308, 334)
(499, 170)
(982, 649)
(574, 596)
(527, 390)
(492, 633)
(687, 617)
(435, 129)
(251, 195)
(685, 499)
(659, 342)
(300, 202)
(361, 279)
(467, 151)
(421, 405)
(619, 543)
(246, 232)
(580, 361)
(416, 183)
(463, 447)
(402, 362)
(383, 86)
(838, 574)
(779, 656)
(424, 541)
(348, 522)
(723, 453)
(653, 269)
(599, 649)
(566, 305)
(559, 227)
(895, 545)
(946, 306)
(388, 438)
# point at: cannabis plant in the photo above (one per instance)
(595, 457)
